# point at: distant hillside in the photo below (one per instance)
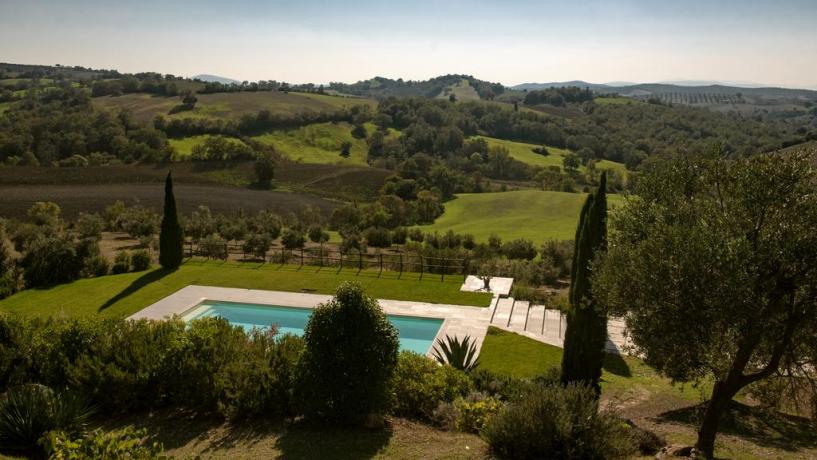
(207, 78)
(380, 87)
(648, 89)
(562, 84)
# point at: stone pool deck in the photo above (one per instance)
(458, 320)
(532, 321)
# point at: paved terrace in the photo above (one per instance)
(533, 321)
(458, 320)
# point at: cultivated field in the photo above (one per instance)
(73, 199)
(145, 107)
(532, 214)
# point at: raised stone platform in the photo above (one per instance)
(499, 286)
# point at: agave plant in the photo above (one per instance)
(461, 355)
(28, 412)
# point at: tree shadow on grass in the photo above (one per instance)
(137, 284)
(306, 441)
(210, 434)
(763, 427)
(615, 364)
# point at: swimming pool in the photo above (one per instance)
(416, 334)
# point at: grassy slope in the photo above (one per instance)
(524, 153)
(637, 392)
(121, 295)
(184, 146)
(533, 214)
(511, 354)
(317, 143)
(190, 437)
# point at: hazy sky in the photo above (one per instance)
(511, 41)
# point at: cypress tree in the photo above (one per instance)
(171, 237)
(586, 332)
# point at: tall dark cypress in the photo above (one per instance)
(586, 332)
(171, 237)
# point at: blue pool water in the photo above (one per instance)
(416, 334)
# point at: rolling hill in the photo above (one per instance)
(214, 79)
(531, 214)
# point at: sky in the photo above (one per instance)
(511, 41)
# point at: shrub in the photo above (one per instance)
(377, 237)
(399, 235)
(557, 422)
(97, 266)
(264, 171)
(140, 260)
(8, 284)
(121, 263)
(648, 443)
(461, 355)
(28, 412)
(416, 235)
(125, 444)
(257, 245)
(503, 387)
(293, 238)
(52, 260)
(213, 246)
(123, 365)
(519, 249)
(349, 357)
(475, 411)
(89, 225)
(260, 381)
(420, 385)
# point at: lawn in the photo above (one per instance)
(318, 143)
(123, 295)
(532, 214)
(524, 152)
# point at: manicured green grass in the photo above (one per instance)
(533, 214)
(122, 295)
(523, 152)
(318, 143)
(515, 355)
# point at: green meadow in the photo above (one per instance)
(532, 214)
(523, 152)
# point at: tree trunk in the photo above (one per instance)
(722, 395)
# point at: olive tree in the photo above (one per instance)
(714, 265)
